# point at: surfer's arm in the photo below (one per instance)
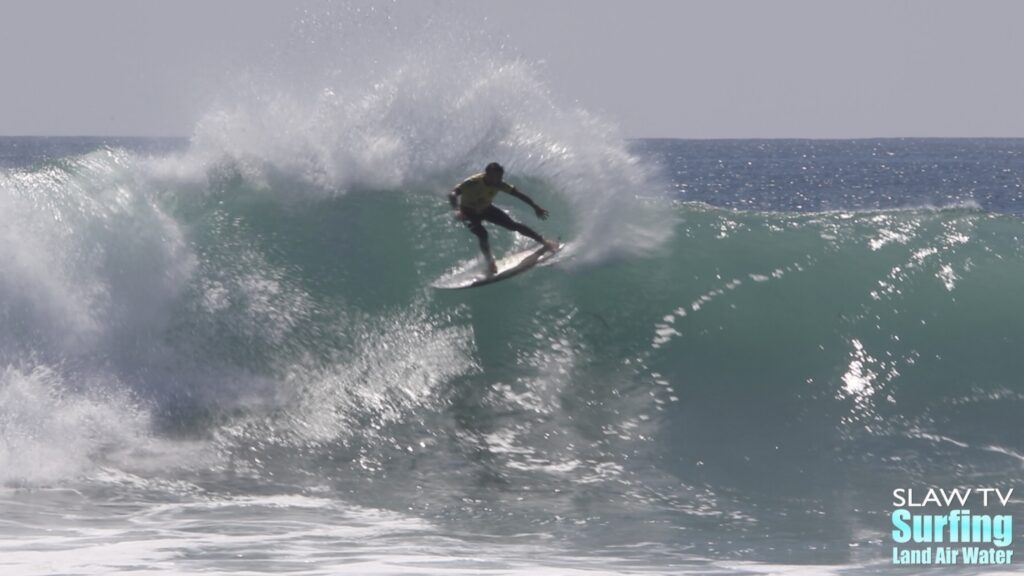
(453, 199)
(541, 213)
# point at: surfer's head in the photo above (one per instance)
(493, 173)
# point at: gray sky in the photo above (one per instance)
(669, 68)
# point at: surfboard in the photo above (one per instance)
(511, 265)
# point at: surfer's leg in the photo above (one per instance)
(499, 217)
(475, 225)
(477, 228)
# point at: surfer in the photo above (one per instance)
(473, 202)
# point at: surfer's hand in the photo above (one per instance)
(459, 215)
(541, 213)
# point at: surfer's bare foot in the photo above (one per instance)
(492, 267)
(551, 245)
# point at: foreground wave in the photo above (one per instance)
(230, 335)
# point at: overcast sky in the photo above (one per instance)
(669, 68)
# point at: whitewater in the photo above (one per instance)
(222, 354)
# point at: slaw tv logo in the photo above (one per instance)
(960, 526)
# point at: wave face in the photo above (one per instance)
(749, 371)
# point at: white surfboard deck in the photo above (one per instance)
(470, 275)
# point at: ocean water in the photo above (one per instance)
(221, 354)
(212, 364)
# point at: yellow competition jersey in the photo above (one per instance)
(476, 195)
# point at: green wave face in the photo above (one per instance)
(708, 361)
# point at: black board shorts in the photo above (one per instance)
(474, 220)
(491, 214)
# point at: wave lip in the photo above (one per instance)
(420, 124)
